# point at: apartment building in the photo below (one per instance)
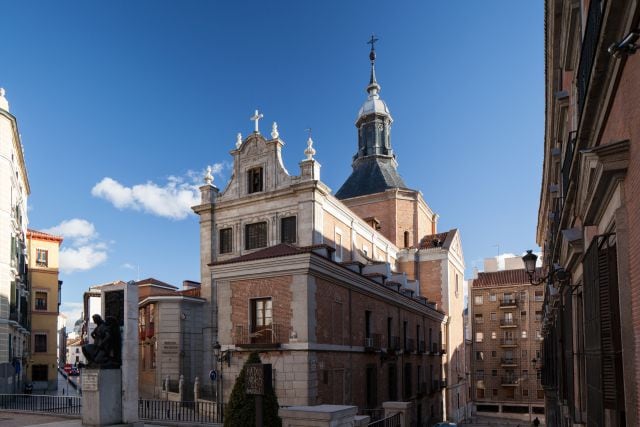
(14, 287)
(43, 250)
(506, 318)
(588, 222)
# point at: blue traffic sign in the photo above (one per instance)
(213, 375)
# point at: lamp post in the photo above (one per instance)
(555, 272)
(221, 357)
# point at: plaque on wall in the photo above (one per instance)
(89, 381)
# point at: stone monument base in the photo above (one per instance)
(101, 397)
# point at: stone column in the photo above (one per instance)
(130, 351)
(319, 416)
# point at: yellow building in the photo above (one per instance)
(44, 306)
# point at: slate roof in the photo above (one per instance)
(504, 278)
(371, 175)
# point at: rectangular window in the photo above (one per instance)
(494, 335)
(494, 372)
(41, 300)
(524, 335)
(479, 318)
(525, 392)
(338, 245)
(495, 392)
(494, 353)
(407, 381)
(494, 316)
(371, 378)
(479, 337)
(261, 320)
(477, 300)
(42, 257)
(540, 394)
(480, 374)
(539, 296)
(226, 240)
(480, 393)
(479, 355)
(40, 372)
(538, 316)
(492, 297)
(255, 235)
(288, 229)
(40, 343)
(254, 179)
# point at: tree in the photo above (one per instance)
(241, 410)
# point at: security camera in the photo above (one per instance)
(627, 46)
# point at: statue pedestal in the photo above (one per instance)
(101, 397)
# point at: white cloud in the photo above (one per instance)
(129, 266)
(172, 200)
(78, 229)
(80, 250)
(73, 311)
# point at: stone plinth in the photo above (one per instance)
(101, 397)
(318, 416)
(391, 408)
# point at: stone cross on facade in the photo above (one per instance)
(256, 118)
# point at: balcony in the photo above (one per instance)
(395, 344)
(509, 381)
(508, 303)
(435, 349)
(508, 323)
(422, 348)
(372, 343)
(508, 342)
(265, 337)
(589, 45)
(508, 362)
(435, 386)
(409, 345)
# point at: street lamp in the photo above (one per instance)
(221, 357)
(555, 273)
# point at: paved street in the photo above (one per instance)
(15, 419)
(65, 388)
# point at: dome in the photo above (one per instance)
(372, 105)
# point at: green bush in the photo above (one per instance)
(241, 410)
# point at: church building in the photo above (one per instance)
(353, 298)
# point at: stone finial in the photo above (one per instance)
(310, 151)
(238, 140)
(4, 104)
(274, 131)
(208, 177)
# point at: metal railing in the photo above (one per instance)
(373, 414)
(409, 345)
(247, 336)
(508, 361)
(372, 342)
(164, 410)
(391, 421)
(508, 302)
(62, 405)
(422, 348)
(395, 343)
(508, 322)
(508, 341)
(509, 380)
(588, 53)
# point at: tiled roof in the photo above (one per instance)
(504, 278)
(35, 234)
(429, 241)
(152, 281)
(282, 249)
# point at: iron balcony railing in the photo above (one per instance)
(61, 405)
(409, 345)
(390, 421)
(246, 336)
(508, 342)
(395, 343)
(182, 412)
(508, 302)
(509, 380)
(422, 347)
(588, 53)
(372, 342)
(508, 323)
(508, 361)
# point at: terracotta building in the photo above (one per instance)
(354, 298)
(506, 319)
(43, 250)
(588, 222)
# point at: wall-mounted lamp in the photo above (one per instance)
(625, 47)
(222, 356)
(555, 274)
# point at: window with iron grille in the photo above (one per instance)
(254, 180)
(42, 257)
(40, 372)
(255, 235)
(288, 229)
(41, 300)
(226, 239)
(40, 343)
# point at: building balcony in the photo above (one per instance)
(509, 381)
(508, 342)
(372, 343)
(508, 361)
(508, 323)
(394, 345)
(409, 345)
(508, 303)
(267, 337)
(422, 348)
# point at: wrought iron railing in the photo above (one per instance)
(508, 361)
(509, 380)
(186, 412)
(508, 302)
(372, 342)
(409, 345)
(374, 414)
(391, 421)
(61, 405)
(248, 336)
(508, 322)
(508, 341)
(395, 343)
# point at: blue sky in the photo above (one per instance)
(122, 105)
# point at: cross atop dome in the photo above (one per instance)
(256, 118)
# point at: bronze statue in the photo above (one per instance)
(105, 352)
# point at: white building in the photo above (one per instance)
(14, 290)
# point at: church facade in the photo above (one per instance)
(354, 298)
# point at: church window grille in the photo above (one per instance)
(255, 180)
(256, 235)
(226, 237)
(41, 300)
(288, 229)
(42, 257)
